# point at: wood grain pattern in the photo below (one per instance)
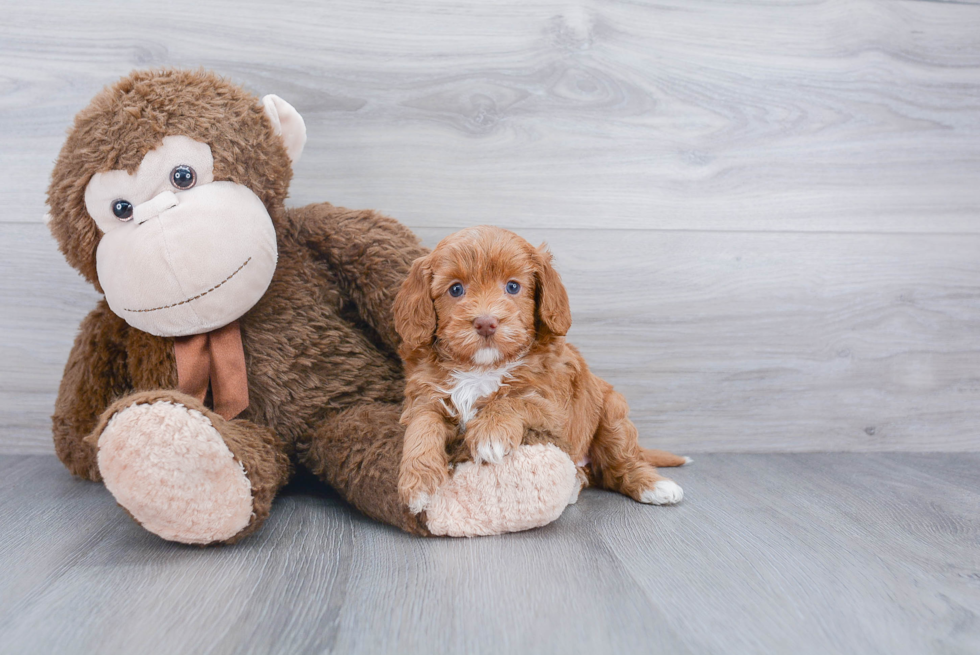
(827, 553)
(766, 214)
(851, 116)
(763, 342)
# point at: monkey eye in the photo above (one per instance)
(123, 209)
(512, 287)
(456, 290)
(183, 177)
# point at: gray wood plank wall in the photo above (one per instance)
(767, 214)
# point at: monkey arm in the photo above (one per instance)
(95, 375)
(372, 254)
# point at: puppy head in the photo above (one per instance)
(482, 297)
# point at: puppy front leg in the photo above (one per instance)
(424, 466)
(499, 428)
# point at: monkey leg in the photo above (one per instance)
(358, 452)
(185, 473)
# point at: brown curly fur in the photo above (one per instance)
(550, 392)
(320, 346)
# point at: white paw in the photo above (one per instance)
(687, 460)
(665, 492)
(490, 451)
(419, 503)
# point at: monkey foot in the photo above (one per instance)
(171, 470)
(530, 488)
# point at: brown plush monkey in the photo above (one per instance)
(238, 338)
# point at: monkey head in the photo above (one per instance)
(166, 195)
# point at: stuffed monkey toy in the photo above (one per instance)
(238, 339)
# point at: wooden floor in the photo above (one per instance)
(816, 553)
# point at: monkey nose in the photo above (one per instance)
(154, 207)
(485, 325)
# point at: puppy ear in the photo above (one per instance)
(415, 313)
(550, 297)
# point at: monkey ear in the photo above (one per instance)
(287, 123)
(551, 299)
(415, 313)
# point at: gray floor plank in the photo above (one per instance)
(805, 553)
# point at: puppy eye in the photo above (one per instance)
(456, 290)
(513, 287)
(183, 177)
(122, 209)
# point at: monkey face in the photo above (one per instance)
(180, 254)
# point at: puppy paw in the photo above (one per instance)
(664, 492)
(491, 441)
(490, 451)
(416, 485)
(419, 503)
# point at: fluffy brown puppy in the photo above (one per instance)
(482, 320)
(237, 338)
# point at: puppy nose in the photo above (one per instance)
(485, 325)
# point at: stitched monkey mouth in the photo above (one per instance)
(187, 300)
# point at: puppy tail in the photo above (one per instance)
(662, 458)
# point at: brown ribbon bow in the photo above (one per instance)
(216, 357)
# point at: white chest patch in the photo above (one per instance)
(470, 386)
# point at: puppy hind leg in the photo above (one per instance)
(620, 464)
